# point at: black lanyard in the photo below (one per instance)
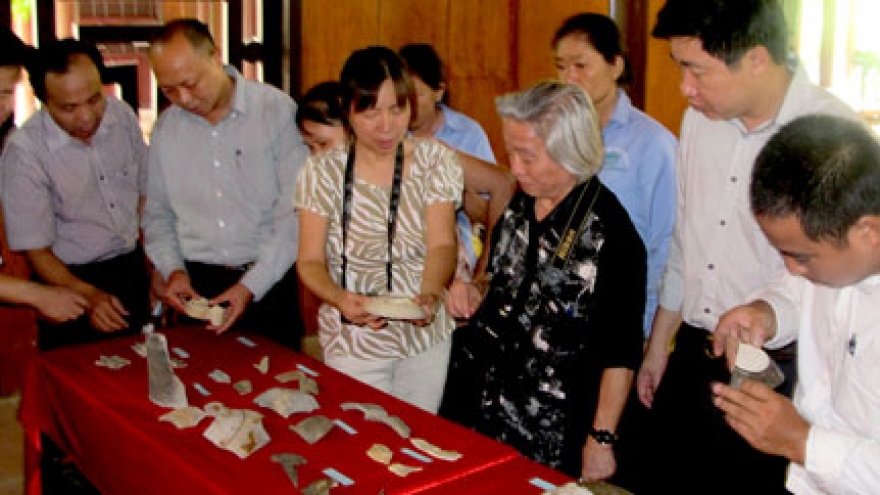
(348, 190)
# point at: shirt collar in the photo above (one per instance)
(451, 120)
(622, 109)
(239, 99)
(870, 285)
(791, 107)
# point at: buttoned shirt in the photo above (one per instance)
(639, 168)
(837, 393)
(465, 134)
(718, 254)
(223, 194)
(80, 200)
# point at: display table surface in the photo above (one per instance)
(105, 421)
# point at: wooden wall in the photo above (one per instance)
(662, 77)
(490, 47)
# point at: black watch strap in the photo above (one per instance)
(603, 437)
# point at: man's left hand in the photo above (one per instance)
(235, 299)
(765, 419)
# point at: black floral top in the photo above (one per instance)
(547, 329)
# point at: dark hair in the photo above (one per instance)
(727, 28)
(194, 31)
(321, 104)
(13, 52)
(823, 169)
(363, 74)
(602, 33)
(56, 57)
(422, 60)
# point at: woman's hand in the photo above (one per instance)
(598, 461)
(463, 299)
(429, 303)
(351, 306)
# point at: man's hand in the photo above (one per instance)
(178, 291)
(598, 461)
(106, 312)
(234, 300)
(58, 304)
(765, 419)
(753, 323)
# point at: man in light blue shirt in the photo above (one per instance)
(219, 220)
(74, 178)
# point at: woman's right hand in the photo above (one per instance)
(351, 305)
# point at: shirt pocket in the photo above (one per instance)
(856, 395)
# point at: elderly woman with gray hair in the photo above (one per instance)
(549, 357)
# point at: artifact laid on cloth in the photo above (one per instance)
(313, 428)
(112, 362)
(286, 401)
(166, 389)
(435, 451)
(306, 384)
(239, 431)
(289, 462)
(373, 412)
(185, 417)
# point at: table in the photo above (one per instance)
(105, 421)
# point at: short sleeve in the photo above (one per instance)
(445, 179)
(318, 185)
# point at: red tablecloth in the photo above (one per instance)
(106, 422)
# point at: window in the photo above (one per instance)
(840, 49)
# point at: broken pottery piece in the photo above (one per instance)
(166, 389)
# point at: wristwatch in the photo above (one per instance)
(603, 437)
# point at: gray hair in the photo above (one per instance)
(563, 116)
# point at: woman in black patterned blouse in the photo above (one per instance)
(551, 351)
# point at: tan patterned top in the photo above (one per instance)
(433, 176)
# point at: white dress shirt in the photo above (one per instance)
(718, 254)
(838, 388)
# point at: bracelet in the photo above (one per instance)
(603, 437)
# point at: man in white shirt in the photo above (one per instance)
(735, 71)
(816, 196)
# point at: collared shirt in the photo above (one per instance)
(465, 134)
(81, 200)
(718, 254)
(223, 194)
(837, 392)
(639, 168)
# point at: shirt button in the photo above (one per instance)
(707, 310)
(217, 163)
(711, 266)
(723, 223)
(219, 193)
(101, 177)
(112, 206)
(733, 179)
(214, 133)
(221, 223)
